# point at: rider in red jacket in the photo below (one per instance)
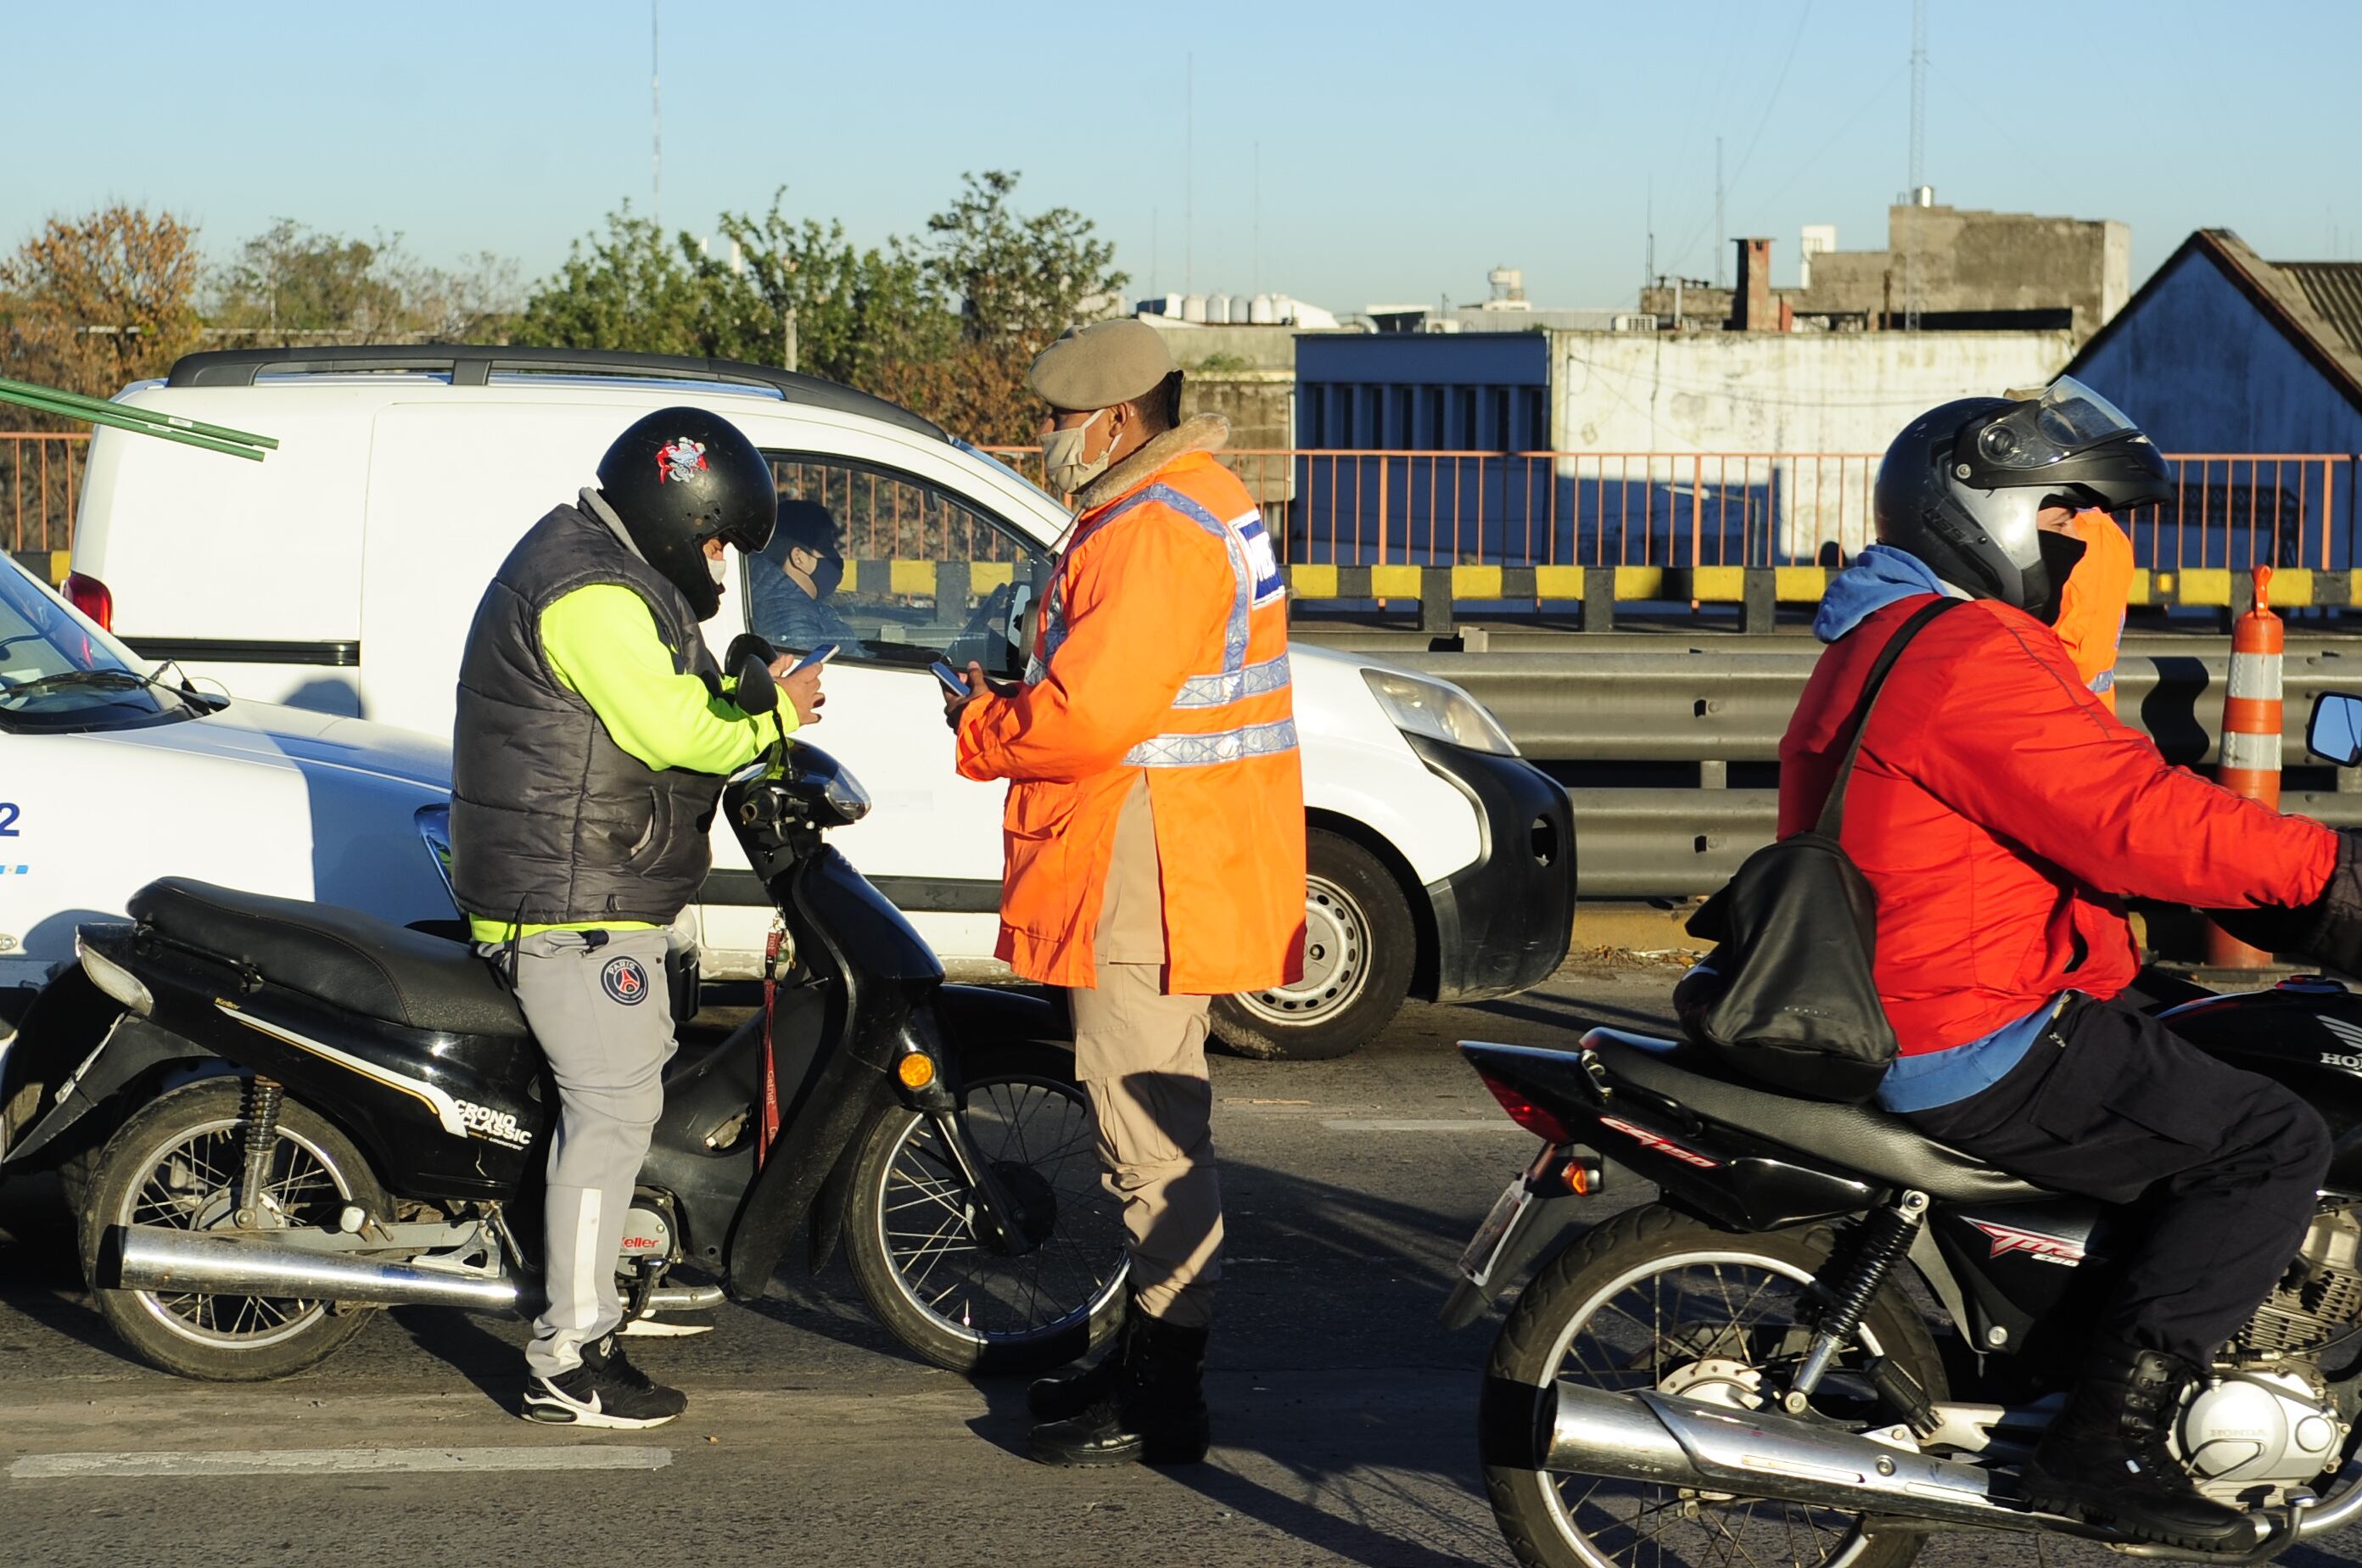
(2002, 814)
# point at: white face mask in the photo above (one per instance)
(719, 566)
(1066, 468)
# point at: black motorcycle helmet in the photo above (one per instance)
(1962, 486)
(682, 476)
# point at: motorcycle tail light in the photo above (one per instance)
(1533, 1117)
(93, 598)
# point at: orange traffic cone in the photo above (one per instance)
(2251, 739)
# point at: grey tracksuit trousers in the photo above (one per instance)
(599, 1008)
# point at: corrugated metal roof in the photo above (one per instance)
(2336, 290)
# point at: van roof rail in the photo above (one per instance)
(471, 365)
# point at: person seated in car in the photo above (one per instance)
(794, 577)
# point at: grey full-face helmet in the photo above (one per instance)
(1962, 486)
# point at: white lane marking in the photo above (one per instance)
(333, 1460)
(1416, 1124)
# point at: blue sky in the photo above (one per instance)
(1404, 149)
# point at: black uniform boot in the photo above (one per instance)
(1153, 1413)
(2104, 1459)
(1064, 1398)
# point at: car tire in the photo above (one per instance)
(1361, 946)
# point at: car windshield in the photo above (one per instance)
(56, 673)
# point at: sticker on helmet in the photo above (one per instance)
(624, 980)
(682, 459)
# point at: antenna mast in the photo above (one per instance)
(1720, 245)
(656, 113)
(1918, 155)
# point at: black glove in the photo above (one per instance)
(2328, 931)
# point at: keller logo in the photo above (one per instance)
(2032, 1243)
(624, 980)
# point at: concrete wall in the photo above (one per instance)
(1961, 259)
(1725, 393)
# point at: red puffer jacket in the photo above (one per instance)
(2000, 813)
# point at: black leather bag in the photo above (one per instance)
(1787, 996)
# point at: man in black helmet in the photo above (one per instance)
(593, 736)
(2001, 815)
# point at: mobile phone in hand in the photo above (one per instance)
(953, 681)
(820, 655)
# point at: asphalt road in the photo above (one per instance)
(1344, 1415)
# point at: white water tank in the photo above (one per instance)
(1260, 312)
(1193, 308)
(1218, 309)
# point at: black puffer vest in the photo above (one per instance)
(552, 823)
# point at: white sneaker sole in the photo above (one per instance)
(557, 1413)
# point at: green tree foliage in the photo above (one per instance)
(293, 284)
(944, 324)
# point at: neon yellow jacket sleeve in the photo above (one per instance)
(602, 643)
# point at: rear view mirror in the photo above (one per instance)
(758, 692)
(2335, 734)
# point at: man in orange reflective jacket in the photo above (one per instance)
(2092, 606)
(1153, 839)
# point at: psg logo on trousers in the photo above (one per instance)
(624, 980)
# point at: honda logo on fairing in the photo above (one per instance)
(2032, 1243)
(1648, 1140)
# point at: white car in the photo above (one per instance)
(341, 574)
(110, 778)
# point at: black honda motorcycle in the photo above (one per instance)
(1830, 1336)
(276, 1117)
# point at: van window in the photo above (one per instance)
(894, 569)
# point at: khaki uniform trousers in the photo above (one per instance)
(1140, 1054)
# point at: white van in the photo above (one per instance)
(341, 573)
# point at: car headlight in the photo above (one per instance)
(1437, 711)
(435, 831)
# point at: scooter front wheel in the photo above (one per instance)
(953, 1298)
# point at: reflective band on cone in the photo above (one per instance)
(2251, 739)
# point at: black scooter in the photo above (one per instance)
(1830, 1336)
(275, 1117)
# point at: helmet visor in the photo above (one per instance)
(2067, 421)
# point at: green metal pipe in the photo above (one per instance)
(107, 413)
(13, 391)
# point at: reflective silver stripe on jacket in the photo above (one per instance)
(1223, 745)
(1235, 681)
(1231, 686)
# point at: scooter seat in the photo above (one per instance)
(344, 957)
(1860, 1137)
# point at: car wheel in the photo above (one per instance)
(1360, 947)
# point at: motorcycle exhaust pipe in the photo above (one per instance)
(1652, 1437)
(156, 1257)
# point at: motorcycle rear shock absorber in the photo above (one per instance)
(262, 1098)
(1886, 1236)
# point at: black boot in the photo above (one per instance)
(2104, 1459)
(1153, 1413)
(1064, 1398)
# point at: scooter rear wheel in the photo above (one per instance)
(175, 1162)
(909, 1223)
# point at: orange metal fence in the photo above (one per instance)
(1441, 508)
(40, 485)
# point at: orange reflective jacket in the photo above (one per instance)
(2091, 610)
(1161, 644)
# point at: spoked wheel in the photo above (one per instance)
(911, 1225)
(180, 1163)
(1655, 1300)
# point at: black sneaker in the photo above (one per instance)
(606, 1390)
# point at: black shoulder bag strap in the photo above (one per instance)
(1833, 809)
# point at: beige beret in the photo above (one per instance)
(1100, 365)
